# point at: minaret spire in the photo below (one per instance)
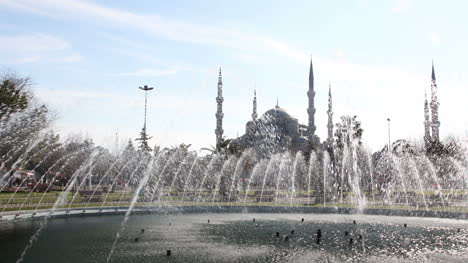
(427, 123)
(435, 124)
(219, 113)
(254, 112)
(330, 118)
(311, 109)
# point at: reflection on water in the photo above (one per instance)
(237, 238)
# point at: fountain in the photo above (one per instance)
(335, 203)
(281, 188)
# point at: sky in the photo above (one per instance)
(88, 58)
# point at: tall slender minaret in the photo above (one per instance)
(330, 118)
(311, 109)
(254, 112)
(427, 123)
(219, 113)
(435, 124)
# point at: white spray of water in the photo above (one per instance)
(130, 208)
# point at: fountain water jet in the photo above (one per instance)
(58, 202)
(130, 208)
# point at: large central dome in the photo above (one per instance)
(277, 115)
(275, 131)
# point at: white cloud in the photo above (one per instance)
(373, 92)
(402, 5)
(25, 60)
(32, 43)
(106, 136)
(435, 38)
(149, 73)
(68, 59)
(34, 48)
(156, 25)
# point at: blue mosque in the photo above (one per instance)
(276, 130)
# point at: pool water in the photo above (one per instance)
(238, 237)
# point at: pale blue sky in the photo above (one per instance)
(88, 58)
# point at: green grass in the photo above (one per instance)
(176, 199)
(46, 200)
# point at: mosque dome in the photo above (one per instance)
(277, 115)
(279, 120)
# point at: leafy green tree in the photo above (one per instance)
(225, 147)
(22, 122)
(44, 154)
(144, 138)
(13, 95)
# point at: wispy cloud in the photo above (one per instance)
(69, 58)
(36, 47)
(149, 73)
(156, 25)
(402, 5)
(25, 60)
(32, 43)
(372, 92)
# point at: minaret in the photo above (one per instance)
(427, 123)
(434, 108)
(219, 113)
(311, 109)
(254, 112)
(330, 118)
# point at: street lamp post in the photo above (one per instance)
(144, 136)
(146, 89)
(388, 119)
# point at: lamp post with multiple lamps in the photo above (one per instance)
(144, 137)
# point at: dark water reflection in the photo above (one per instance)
(236, 238)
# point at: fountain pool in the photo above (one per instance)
(239, 237)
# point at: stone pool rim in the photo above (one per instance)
(155, 209)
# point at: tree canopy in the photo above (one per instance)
(13, 95)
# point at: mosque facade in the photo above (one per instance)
(276, 130)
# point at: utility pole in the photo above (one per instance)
(143, 135)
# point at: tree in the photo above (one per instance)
(156, 150)
(144, 138)
(348, 131)
(44, 154)
(22, 119)
(347, 148)
(129, 150)
(13, 95)
(224, 147)
(184, 147)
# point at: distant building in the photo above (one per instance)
(276, 130)
(219, 113)
(431, 120)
